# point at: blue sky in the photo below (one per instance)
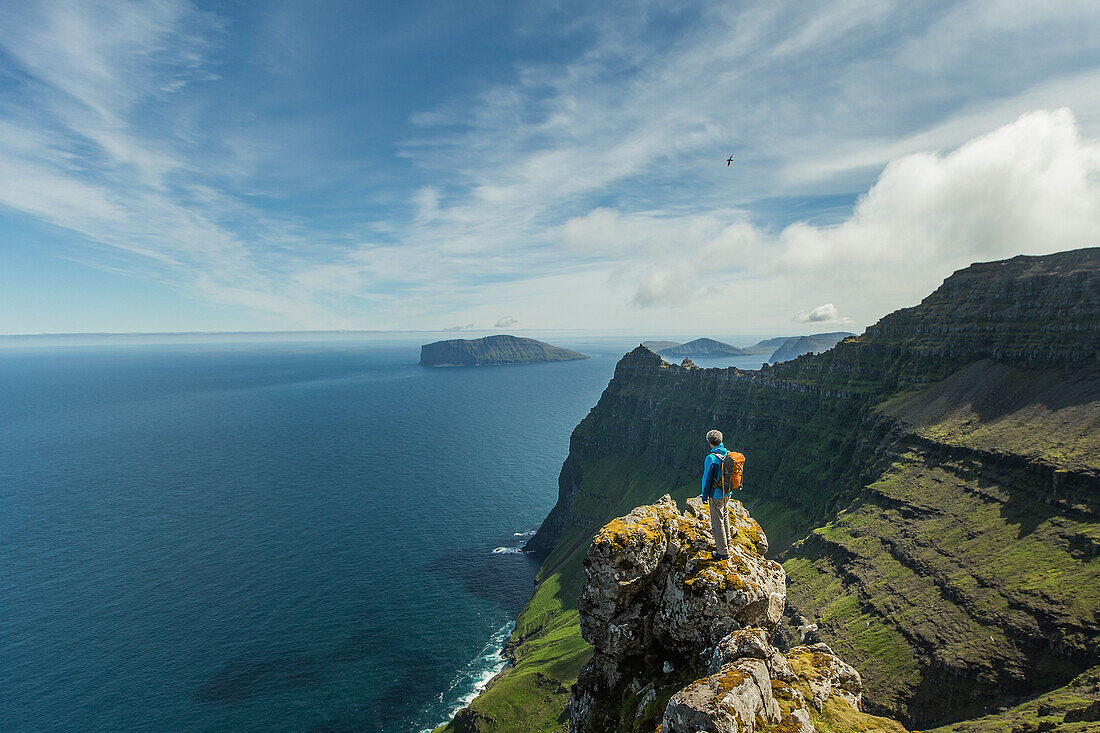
(177, 165)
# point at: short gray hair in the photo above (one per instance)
(714, 437)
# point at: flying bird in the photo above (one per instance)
(729, 161)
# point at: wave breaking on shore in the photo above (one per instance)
(470, 682)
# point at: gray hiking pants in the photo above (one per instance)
(720, 523)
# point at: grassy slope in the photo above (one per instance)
(950, 572)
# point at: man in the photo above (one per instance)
(718, 502)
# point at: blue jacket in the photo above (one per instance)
(711, 464)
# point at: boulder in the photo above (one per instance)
(622, 562)
(727, 702)
(653, 573)
(827, 675)
(754, 644)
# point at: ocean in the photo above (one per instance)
(307, 536)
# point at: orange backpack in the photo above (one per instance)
(733, 464)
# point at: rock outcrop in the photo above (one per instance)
(683, 639)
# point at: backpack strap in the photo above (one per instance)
(714, 473)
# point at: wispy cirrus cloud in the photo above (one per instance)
(93, 143)
(597, 169)
(811, 103)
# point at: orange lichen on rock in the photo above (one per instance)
(826, 675)
(720, 575)
(728, 679)
(623, 535)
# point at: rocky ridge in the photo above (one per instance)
(683, 641)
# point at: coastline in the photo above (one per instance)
(477, 677)
(492, 661)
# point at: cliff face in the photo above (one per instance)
(931, 488)
(970, 553)
(684, 641)
(1028, 312)
(492, 350)
(652, 417)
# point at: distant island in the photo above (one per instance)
(491, 351)
(767, 346)
(813, 344)
(703, 347)
(658, 346)
(783, 348)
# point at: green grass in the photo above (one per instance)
(886, 662)
(837, 716)
(928, 583)
(994, 407)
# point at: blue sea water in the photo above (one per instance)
(258, 537)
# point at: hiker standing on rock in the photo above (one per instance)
(721, 475)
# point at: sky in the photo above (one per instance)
(265, 165)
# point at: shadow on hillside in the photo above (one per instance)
(1021, 489)
(992, 391)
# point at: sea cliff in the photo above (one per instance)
(930, 488)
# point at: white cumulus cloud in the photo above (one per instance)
(822, 314)
(1028, 187)
(506, 322)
